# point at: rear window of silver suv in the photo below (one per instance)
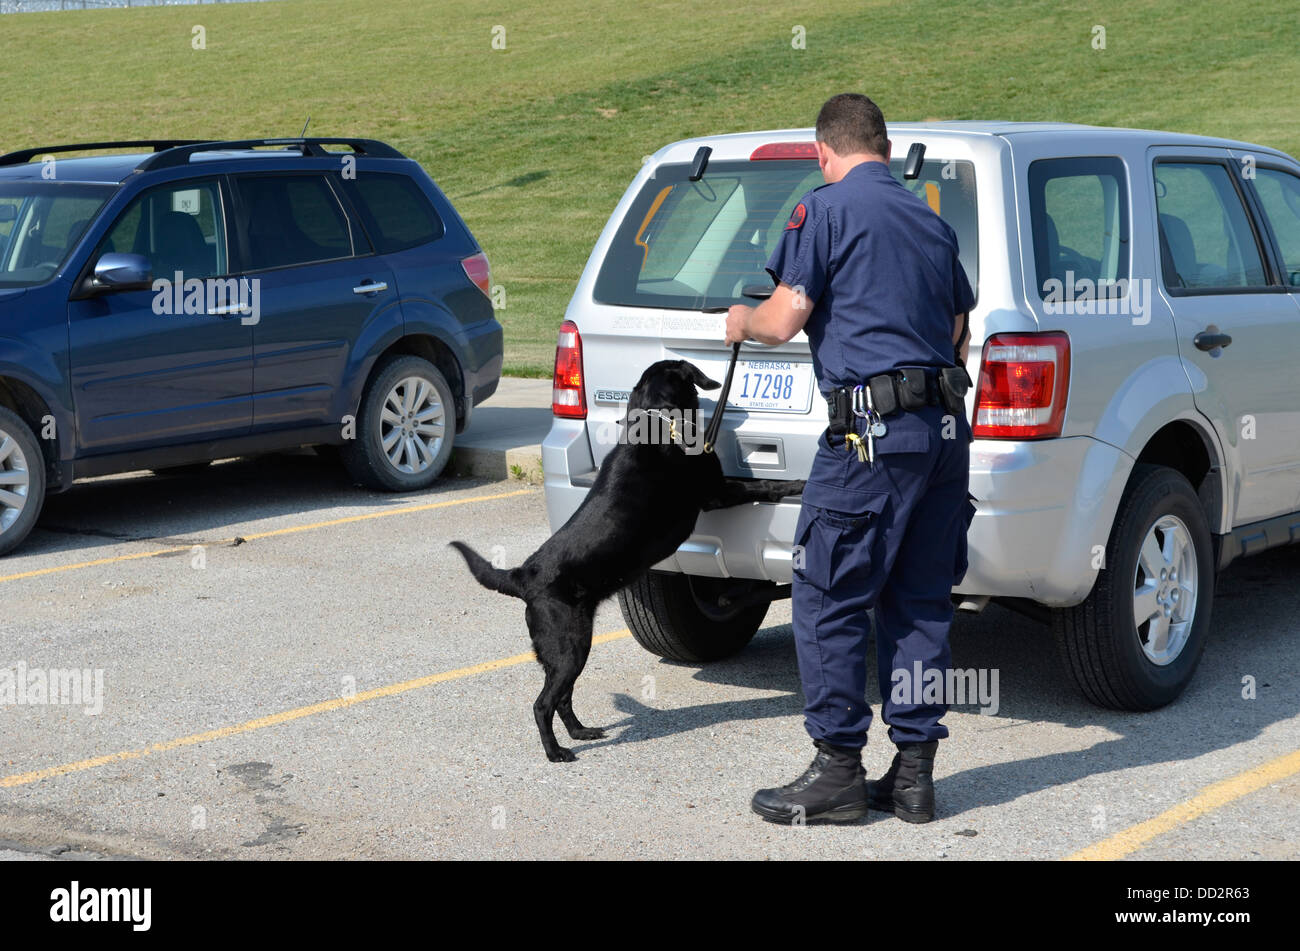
(693, 245)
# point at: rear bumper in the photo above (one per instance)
(1044, 510)
(481, 367)
(1043, 517)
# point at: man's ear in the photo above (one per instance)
(694, 374)
(823, 154)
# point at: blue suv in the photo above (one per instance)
(198, 300)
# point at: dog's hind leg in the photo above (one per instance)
(565, 708)
(562, 641)
(573, 724)
(544, 708)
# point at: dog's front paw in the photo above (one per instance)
(588, 733)
(561, 755)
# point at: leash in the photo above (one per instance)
(715, 423)
(758, 292)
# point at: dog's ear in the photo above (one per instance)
(695, 376)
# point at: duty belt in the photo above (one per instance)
(888, 395)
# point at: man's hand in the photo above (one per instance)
(774, 321)
(737, 323)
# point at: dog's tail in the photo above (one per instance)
(495, 579)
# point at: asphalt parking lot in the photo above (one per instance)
(295, 668)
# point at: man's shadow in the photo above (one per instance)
(1251, 636)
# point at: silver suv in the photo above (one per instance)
(1137, 410)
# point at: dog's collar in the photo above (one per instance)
(673, 435)
(672, 423)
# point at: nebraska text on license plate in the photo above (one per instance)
(782, 386)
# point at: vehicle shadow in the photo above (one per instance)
(1253, 635)
(160, 511)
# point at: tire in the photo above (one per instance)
(22, 480)
(421, 456)
(665, 614)
(193, 468)
(1117, 661)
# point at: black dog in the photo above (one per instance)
(642, 506)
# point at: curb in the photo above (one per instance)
(521, 463)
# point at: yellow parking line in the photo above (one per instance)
(248, 726)
(293, 529)
(1207, 800)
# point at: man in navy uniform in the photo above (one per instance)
(872, 275)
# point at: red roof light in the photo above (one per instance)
(785, 150)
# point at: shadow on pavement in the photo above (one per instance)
(1253, 634)
(199, 508)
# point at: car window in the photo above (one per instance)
(1279, 193)
(1079, 216)
(179, 228)
(40, 223)
(394, 211)
(1205, 236)
(9, 208)
(292, 220)
(690, 245)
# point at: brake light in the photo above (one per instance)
(567, 396)
(1024, 381)
(479, 271)
(784, 150)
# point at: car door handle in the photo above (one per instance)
(370, 287)
(1211, 338)
(229, 310)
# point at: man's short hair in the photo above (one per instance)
(851, 123)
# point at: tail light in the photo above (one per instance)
(567, 396)
(479, 271)
(1024, 381)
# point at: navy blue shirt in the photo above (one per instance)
(881, 271)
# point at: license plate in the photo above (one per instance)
(776, 386)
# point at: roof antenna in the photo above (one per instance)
(304, 128)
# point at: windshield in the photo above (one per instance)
(40, 223)
(691, 245)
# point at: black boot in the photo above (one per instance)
(907, 788)
(833, 787)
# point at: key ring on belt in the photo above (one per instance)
(858, 402)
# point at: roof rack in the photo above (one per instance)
(22, 156)
(169, 153)
(180, 155)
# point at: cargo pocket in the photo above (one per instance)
(836, 547)
(963, 552)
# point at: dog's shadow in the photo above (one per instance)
(768, 664)
(1038, 704)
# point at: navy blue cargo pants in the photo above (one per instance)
(891, 537)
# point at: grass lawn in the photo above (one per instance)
(535, 143)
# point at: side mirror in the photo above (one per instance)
(116, 271)
(8, 213)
